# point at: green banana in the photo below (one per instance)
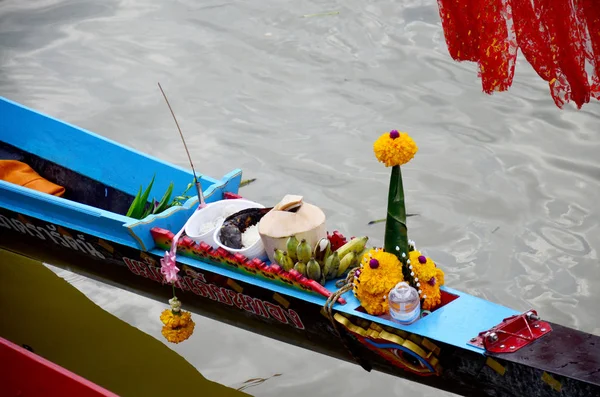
(322, 250)
(286, 262)
(327, 267)
(355, 245)
(278, 257)
(313, 269)
(332, 265)
(303, 252)
(300, 267)
(292, 245)
(359, 257)
(345, 263)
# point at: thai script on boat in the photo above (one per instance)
(52, 233)
(196, 282)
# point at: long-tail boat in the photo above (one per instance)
(61, 204)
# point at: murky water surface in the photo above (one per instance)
(506, 186)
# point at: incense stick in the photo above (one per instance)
(196, 181)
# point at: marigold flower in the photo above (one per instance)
(394, 148)
(178, 324)
(375, 282)
(430, 279)
(179, 334)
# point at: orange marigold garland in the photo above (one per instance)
(428, 279)
(379, 272)
(178, 325)
(395, 148)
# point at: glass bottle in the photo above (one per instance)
(404, 303)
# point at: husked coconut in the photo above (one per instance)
(291, 217)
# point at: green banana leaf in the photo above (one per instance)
(164, 202)
(149, 209)
(396, 233)
(144, 198)
(134, 204)
(136, 210)
(140, 208)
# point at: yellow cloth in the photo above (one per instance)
(23, 175)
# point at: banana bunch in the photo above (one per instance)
(320, 263)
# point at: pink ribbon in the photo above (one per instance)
(168, 264)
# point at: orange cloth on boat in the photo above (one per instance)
(23, 175)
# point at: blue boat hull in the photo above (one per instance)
(106, 245)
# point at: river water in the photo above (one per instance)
(506, 187)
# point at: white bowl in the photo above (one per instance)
(212, 213)
(256, 250)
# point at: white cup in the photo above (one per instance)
(215, 212)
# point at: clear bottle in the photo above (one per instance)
(404, 303)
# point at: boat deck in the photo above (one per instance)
(454, 323)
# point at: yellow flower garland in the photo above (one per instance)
(380, 272)
(395, 148)
(430, 279)
(177, 327)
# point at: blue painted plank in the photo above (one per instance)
(455, 323)
(89, 154)
(62, 212)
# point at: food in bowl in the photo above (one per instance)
(240, 230)
(213, 223)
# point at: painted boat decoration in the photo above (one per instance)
(461, 343)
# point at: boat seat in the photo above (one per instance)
(78, 188)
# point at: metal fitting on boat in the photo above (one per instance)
(531, 316)
(491, 337)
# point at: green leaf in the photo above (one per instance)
(144, 199)
(247, 182)
(396, 233)
(163, 205)
(148, 209)
(134, 204)
(139, 203)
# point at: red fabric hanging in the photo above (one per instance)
(556, 37)
(459, 18)
(497, 54)
(589, 11)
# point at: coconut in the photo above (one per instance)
(291, 217)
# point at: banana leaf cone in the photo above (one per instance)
(394, 149)
(396, 232)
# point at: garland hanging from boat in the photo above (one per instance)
(556, 37)
(178, 325)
